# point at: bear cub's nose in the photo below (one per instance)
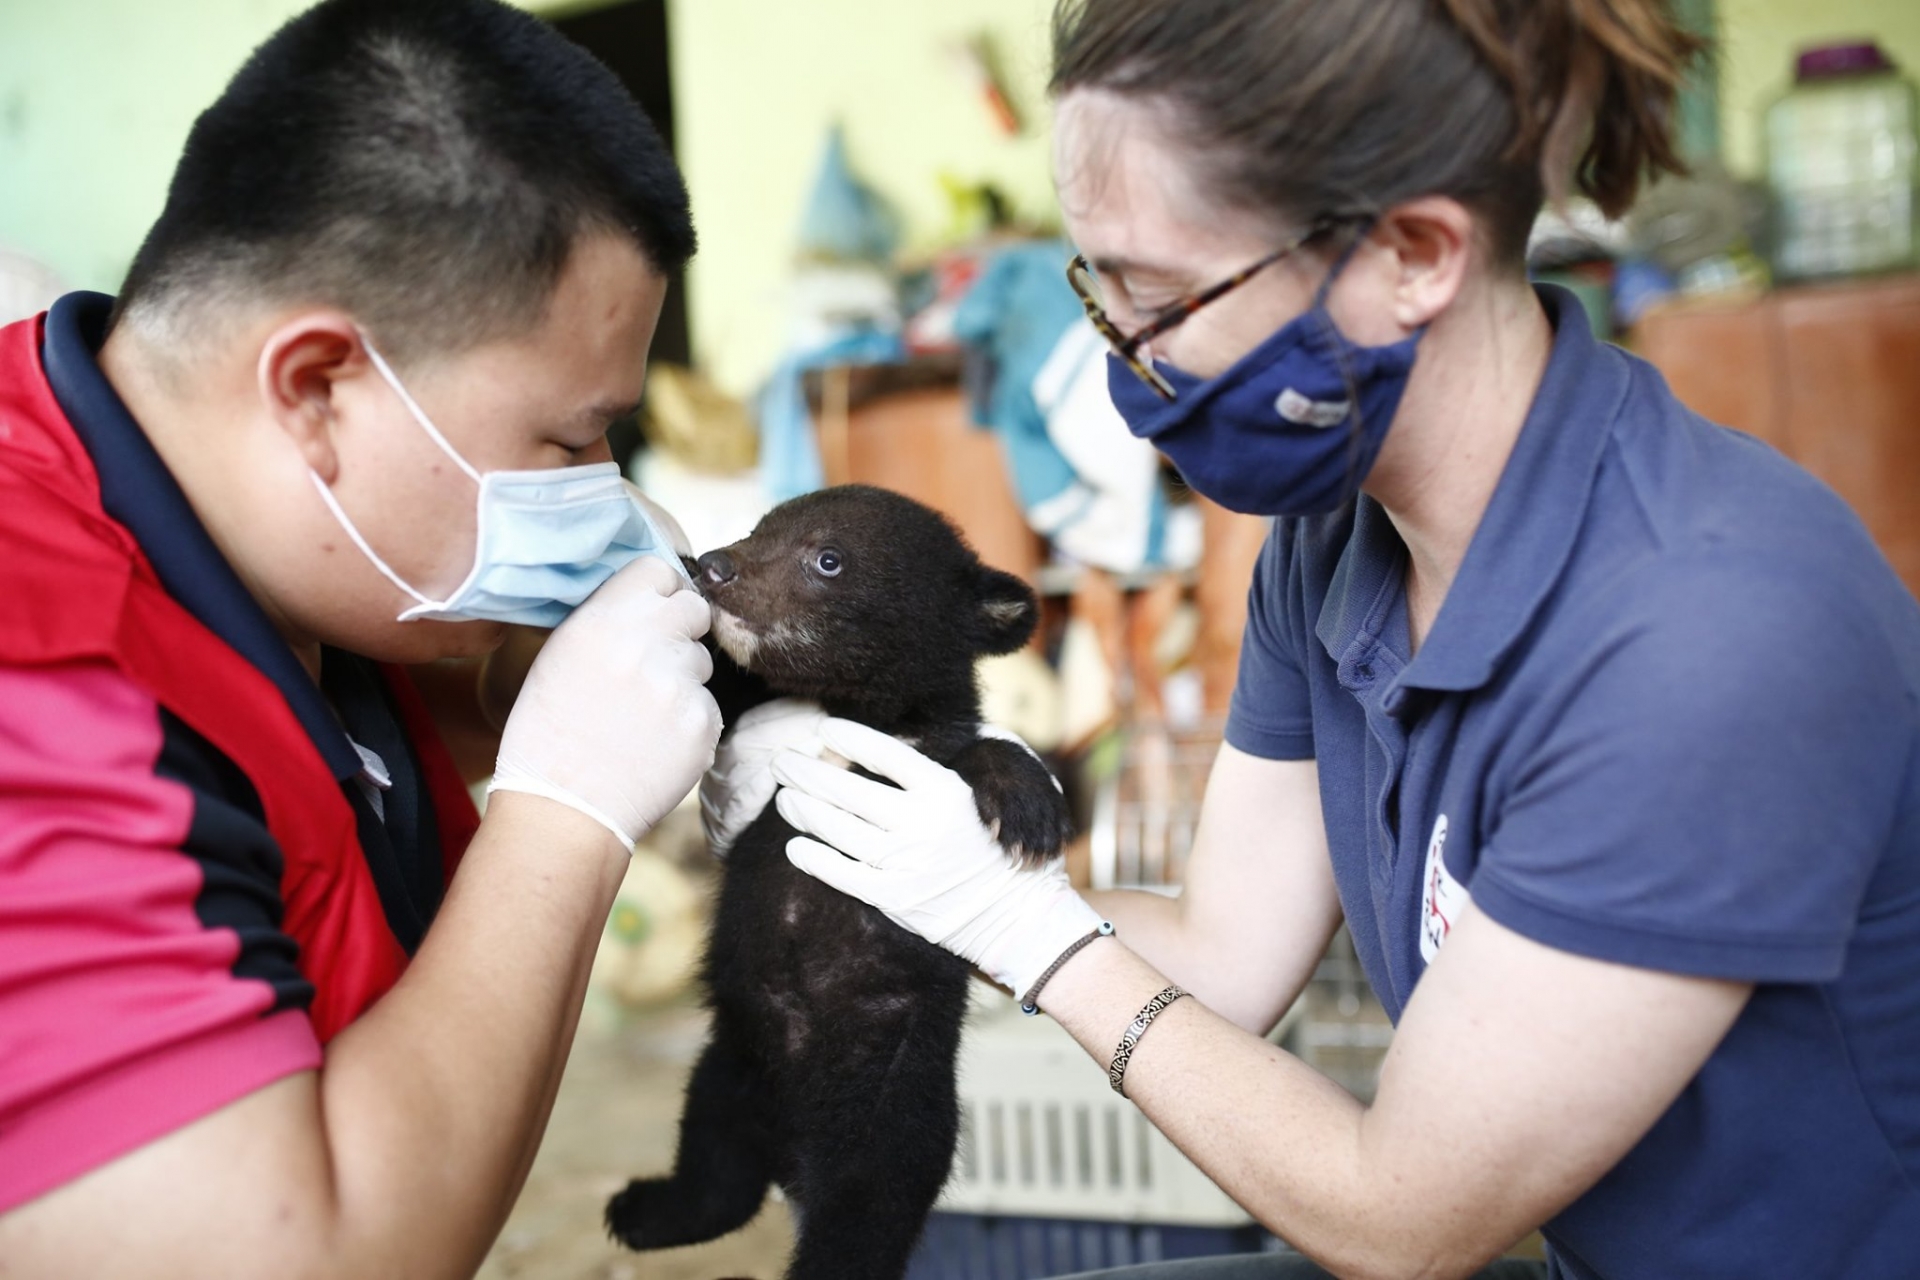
(716, 568)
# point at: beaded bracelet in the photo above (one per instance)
(1123, 1052)
(1027, 1002)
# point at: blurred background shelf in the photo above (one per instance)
(1829, 374)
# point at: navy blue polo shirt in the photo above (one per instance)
(1669, 717)
(351, 704)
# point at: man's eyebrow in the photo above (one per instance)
(605, 415)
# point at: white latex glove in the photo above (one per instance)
(738, 786)
(615, 720)
(920, 854)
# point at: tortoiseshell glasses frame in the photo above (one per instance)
(1127, 347)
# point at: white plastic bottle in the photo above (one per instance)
(1841, 164)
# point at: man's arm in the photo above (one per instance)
(1518, 1076)
(404, 1153)
(1259, 903)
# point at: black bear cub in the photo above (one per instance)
(830, 1071)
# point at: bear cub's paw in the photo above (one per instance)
(634, 1217)
(1017, 799)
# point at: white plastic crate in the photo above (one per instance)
(1043, 1136)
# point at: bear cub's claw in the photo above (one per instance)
(627, 1215)
(1017, 799)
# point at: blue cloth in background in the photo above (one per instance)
(1037, 378)
(789, 452)
(1011, 320)
(846, 220)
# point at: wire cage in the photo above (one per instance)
(1338, 1026)
(1146, 810)
(1146, 804)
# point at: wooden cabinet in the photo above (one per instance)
(881, 426)
(1827, 374)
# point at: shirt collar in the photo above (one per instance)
(137, 490)
(1525, 537)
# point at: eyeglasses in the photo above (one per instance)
(1087, 286)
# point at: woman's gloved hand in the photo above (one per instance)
(738, 786)
(615, 720)
(920, 854)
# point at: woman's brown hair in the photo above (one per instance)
(1312, 108)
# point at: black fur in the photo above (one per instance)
(831, 1067)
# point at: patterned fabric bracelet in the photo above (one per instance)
(1123, 1052)
(1027, 1005)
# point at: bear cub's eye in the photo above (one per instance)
(828, 562)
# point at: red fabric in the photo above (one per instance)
(77, 586)
(111, 986)
(145, 1098)
(446, 789)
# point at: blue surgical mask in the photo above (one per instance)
(1290, 430)
(546, 539)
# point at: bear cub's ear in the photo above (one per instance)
(1008, 611)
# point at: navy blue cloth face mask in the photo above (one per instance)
(1290, 430)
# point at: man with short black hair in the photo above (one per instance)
(272, 997)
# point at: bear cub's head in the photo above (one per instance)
(865, 601)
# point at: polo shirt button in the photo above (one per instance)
(1364, 671)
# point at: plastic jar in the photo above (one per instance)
(1841, 147)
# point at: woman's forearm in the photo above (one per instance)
(1251, 988)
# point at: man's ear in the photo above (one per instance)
(300, 363)
(1008, 611)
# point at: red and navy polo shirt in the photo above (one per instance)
(209, 863)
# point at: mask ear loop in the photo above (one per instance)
(373, 557)
(1340, 264)
(339, 513)
(419, 415)
(1356, 434)
(392, 379)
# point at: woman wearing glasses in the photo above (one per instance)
(1595, 722)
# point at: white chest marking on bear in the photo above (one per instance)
(788, 634)
(734, 637)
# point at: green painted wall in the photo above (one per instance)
(97, 95)
(1758, 40)
(757, 84)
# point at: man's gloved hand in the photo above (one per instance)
(919, 853)
(615, 720)
(738, 786)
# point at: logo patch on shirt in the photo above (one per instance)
(1442, 898)
(1297, 408)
